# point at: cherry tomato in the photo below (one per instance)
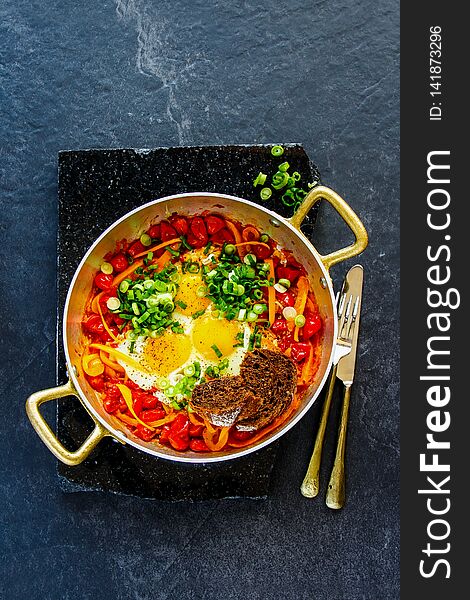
(136, 248)
(287, 273)
(119, 263)
(153, 415)
(180, 224)
(113, 391)
(261, 252)
(167, 232)
(279, 327)
(149, 401)
(312, 325)
(199, 231)
(196, 430)
(286, 342)
(97, 383)
(154, 232)
(198, 445)
(137, 403)
(287, 298)
(103, 281)
(222, 236)
(194, 242)
(93, 324)
(300, 351)
(144, 433)
(214, 224)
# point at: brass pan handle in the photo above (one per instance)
(348, 215)
(48, 436)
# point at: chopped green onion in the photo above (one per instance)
(113, 303)
(285, 283)
(193, 268)
(289, 313)
(264, 238)
(229, 249)
(288, 198)
(280, 179)
(124, 286)
(241, 314)
(185, 243)
(106, 268)
(258, 294)
(172, 252)
(189, 371)
(251, 316)
(181, 304)
(145, 239)
(249, 259)
(296, 175)
(259, 308)
(284, 166)
(299, 321)
(170, 391)
(163, 384)
(207, 248)
(198, 313)
(260, 179)
(240, 289)
(277, 150)
(280, 288)
(216, 350)
(135, 308)
(201, 292)
(265, 193)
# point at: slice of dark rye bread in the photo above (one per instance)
(261, 392)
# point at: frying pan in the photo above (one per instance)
(286, 232)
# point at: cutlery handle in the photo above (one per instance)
(336, 494)
(311, 483)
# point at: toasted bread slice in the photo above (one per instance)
(220, 400)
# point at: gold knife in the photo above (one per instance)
(336, 494)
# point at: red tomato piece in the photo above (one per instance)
(149, 401)
(287, 273)
(137, 403)
(198, 445)
(165, 434)
(111, 405)
(177, 442)
(312, 326)
(144, 433)
(136, 248)
(167, 231)
(113, 391)
(196, 430)
(300, 351)
(261, 252)
(119, 262)
(279, 327)
(180, 426)
(222, 236)
(97, 383)
(287, 298)
(198, 230)
(214, 224)
(241, 436)
(194, 242)
(180, 224)
(154, 232)
(104, 281)
(154, 414)
(286, 342)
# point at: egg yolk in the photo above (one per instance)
(167, 353)
(189, 285)
(209, 332)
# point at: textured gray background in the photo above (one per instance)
(141, 74)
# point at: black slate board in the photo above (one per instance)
(96, 187)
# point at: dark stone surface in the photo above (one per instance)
(136, 73)
(95, 188)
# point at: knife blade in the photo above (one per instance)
(353, 284)
(352, 287)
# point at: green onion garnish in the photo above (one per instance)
(181, 304)
(284, 166)
(145, 239)
(277, 150)
(216, 350)
(265, 193)
(299, 321)
(260, 179)
(106, 268)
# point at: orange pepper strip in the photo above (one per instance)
(126, 419)
(164, 258)
(95, 302)
(303, 289)
(209, 427)
(249, 229)
(110, 372)
(117, 354)
(92, 365)
(155, 248)
(127, 395)
(236, 234)
(168, 419)
(194, 420)
(296, 334)
(252, 243)
(271, 293)
(308, 367)
(281, 419)
(136, 264)
(113, 365)
(223, 438)
(108, 330)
